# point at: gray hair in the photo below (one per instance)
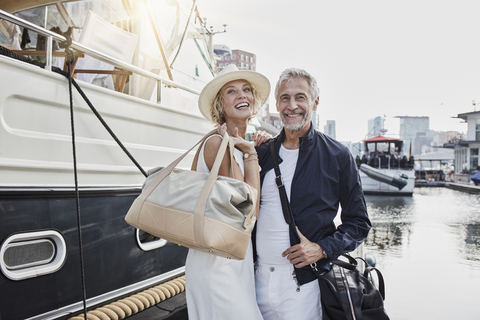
(293, 73)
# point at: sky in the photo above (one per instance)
(370, 57)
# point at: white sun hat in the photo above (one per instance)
(230, 73)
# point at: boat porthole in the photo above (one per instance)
(147, 241)
(32, 254)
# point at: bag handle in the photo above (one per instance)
(198, 214)
(381, 282)
(166, 171)
(231, 145)
(352, 265)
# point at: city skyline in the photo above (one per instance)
(371, 58)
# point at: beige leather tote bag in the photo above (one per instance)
(198, 210)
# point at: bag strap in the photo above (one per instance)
(351, 264)
(344, 293)
(287, 211)
(368, 271)
(381, 283)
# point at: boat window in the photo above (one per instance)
(47, 17)
(383, 147)
(372, 147)
(19, 255)
(393, 148)
(32, 254)
(147, 241)
(477, 129)
(110, 10)
(3, 38)
(461, 160)
(474, 159)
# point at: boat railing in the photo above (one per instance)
(52, 36)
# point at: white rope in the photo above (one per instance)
(137, 302)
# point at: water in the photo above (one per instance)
(428, 249)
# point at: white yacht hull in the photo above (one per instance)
(35, 132)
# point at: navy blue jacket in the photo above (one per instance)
(326, 176)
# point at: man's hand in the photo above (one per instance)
(304, 253)
(261, 137)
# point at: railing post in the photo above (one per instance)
(159, 91)
(48, 53)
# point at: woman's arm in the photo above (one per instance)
(252, 175)
(252, 172)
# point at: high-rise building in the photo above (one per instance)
(375, 127)
(410, 128)
(242, 59)
(329, 129)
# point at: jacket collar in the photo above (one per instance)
(305, 141)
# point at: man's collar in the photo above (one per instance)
(310, 134)
(304, 141)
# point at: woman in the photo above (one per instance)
(220, 288)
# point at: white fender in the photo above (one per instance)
(378, 175)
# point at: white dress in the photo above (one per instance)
(217, 287)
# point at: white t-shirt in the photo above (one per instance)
(272, 231)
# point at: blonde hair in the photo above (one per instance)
(217, 112)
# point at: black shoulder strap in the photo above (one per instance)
(287, 212)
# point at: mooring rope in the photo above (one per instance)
(75, 174)
(104, 123)
(135, 303)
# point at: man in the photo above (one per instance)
(319, 174)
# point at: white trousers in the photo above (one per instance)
(277, 295)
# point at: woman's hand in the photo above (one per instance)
(261, 137)
(222, 129)
(240, 143)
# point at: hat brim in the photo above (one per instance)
(209, 92)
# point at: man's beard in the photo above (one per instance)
(295, 126)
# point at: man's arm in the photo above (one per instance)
(355, 222)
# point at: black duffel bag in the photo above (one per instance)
(347, 294)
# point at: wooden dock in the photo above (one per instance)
(470, 188)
